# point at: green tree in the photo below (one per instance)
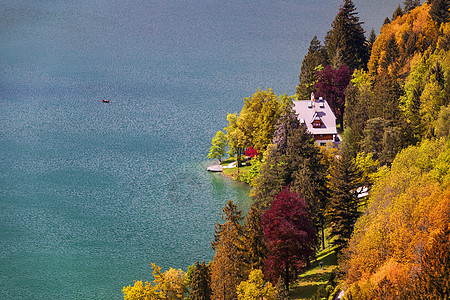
(316, 56)
(200, 282)
(374, 136)
(237, 141)
(346, 38)
(255, 124)
(218, 145)
(427, 90)
(286, 124)
(308, 174)
(391, 144)
(442, 128)
(345, 178)
(391, 54)
(271, 180)
(255, 288)
(386, 98)
(358, 98)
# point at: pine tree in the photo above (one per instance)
(281, 293)
(386, 98)
(316, 56)
(442, 127)
(200, 282)
(343, 209)
(346, 38)
(373, 136)
(271, 180)
(228, 269)
(397, 13)
(370, 42)
(308, 174)
(356, 114)
(392, 53)
(410, 5)
(230, 214)
(253, 240)
(439, 11)
(286, 124)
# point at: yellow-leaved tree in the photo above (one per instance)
(169, 285)
(255, 288)
(408, 204)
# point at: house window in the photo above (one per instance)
(317, 124)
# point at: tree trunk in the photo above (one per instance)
(323, 232)
(286, 277)
(238, 158)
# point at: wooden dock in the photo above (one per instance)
(215, 168)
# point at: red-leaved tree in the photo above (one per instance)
(290, 236)
(331, 85)
(252, 152)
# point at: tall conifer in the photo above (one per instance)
(230, 214)
(253, 240)
(316, 56)
(200, 282)
(307, 174)
(345, 178)
(227, 269)
(410, 5)
(346, 38)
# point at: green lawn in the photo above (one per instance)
(308, 282)
(235, 173)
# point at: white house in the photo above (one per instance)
(318, 117)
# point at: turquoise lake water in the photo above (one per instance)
(92, 193)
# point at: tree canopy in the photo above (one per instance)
(345, 42)
(290, 236)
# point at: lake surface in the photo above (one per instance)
(91, 193)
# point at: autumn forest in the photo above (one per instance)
(380, 200)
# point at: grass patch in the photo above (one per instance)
(311, 280)
(233, 172)
(228, 161)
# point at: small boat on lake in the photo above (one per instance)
(105, 101)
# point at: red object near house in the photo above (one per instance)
(252, 152)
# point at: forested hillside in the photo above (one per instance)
(383, 195)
